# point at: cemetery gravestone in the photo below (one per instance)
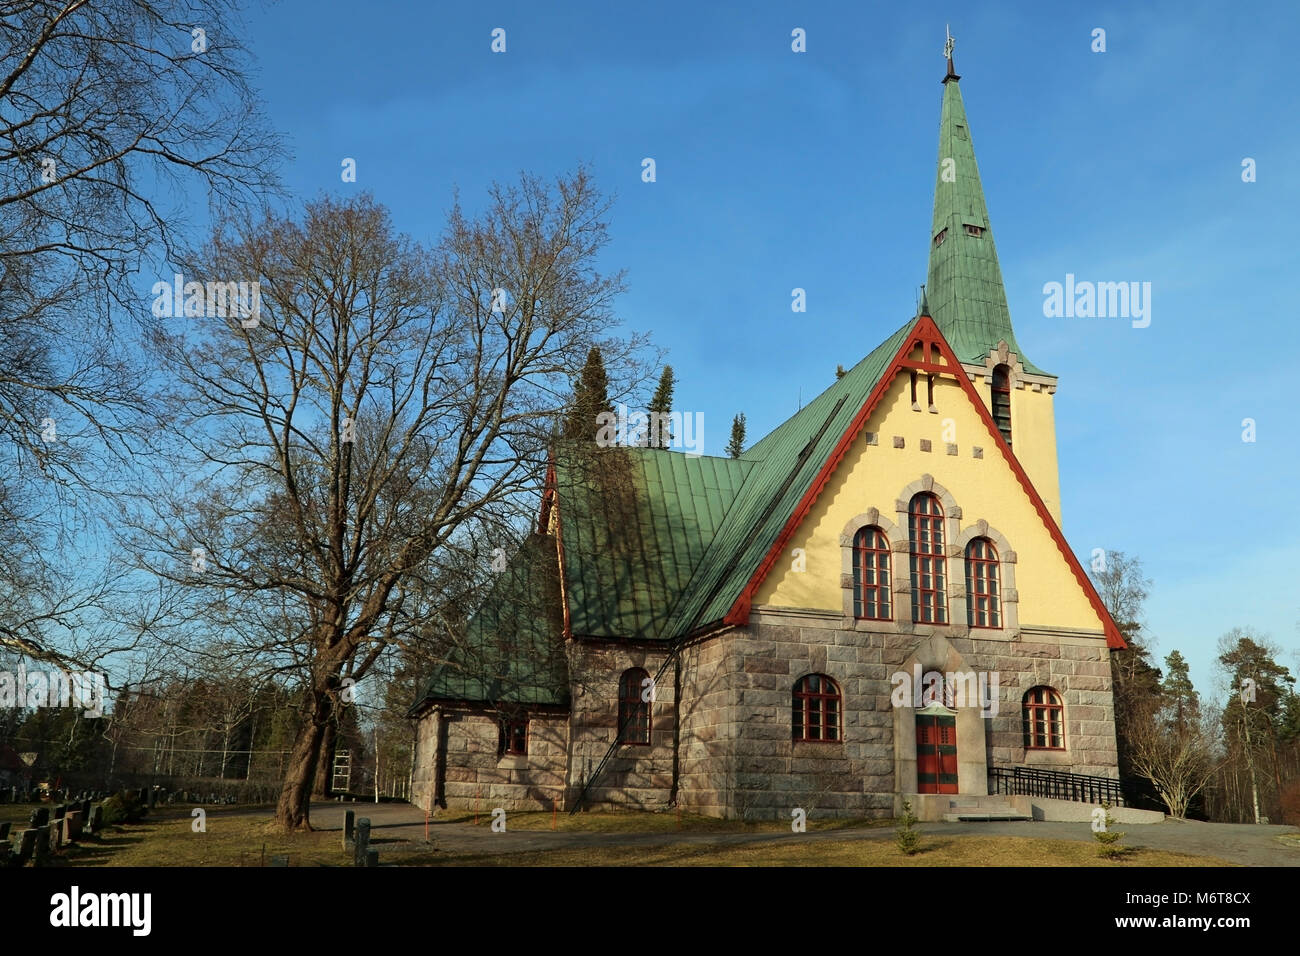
(362, 841)
(27, 847)
(41, 852)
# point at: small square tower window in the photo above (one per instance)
(975, 231)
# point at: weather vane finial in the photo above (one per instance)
(948, 45)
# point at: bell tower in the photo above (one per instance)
(967, 300)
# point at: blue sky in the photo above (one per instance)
(778, 170)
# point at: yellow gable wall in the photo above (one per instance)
(875, 476)
(1033, 438)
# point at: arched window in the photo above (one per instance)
(928, 565)
(984, 606)
(815, 709)
(1044, 719)
(871, 575)
(512, 736)
(1002, 401)
(634, 696)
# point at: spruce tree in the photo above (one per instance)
(737, 443)
(590, 398)
(661, 405)
(1183, 701)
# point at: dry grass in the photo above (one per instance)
(637, 821)
(234, 837)
(935, 851)
(18, 813)
(247, 837)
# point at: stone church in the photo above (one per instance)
(873, 603)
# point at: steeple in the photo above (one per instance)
(964, 282)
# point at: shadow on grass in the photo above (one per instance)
(95, 851)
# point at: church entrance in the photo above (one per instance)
(936, 750)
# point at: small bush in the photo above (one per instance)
(1108, 839)
(124, 807)
(909, 838)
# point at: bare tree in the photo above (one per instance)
(390, 403)
(1176, 756)
(110, 113)
(1135, 680)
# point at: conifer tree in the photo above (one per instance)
(1180, 695)
(737, 443)
(590, 398)
(661, 406)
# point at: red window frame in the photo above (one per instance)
(512, 736)
(871, 575)
(815, 710)
(927, 564)
(983, 599)
(1001, 392)
(1044, 719)
(633, 712)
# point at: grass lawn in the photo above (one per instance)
(935, 851)
(18, 813)
(243, 836)
(236, 836)
(635, 821)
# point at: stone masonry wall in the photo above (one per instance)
(857, 776)
(708, 764)
(637, 776)
(1080, 673)
(426, 756)
(737, 758)
(477, 778)
(852, 777)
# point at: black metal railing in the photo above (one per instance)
(1078, 787)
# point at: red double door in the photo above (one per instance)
(936, 754)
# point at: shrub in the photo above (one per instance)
(1108, 839)
(909, 838)
(124, 807)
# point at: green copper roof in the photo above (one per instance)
(785, 463)
(636, 524)
(512, 649)
(658, 544)
(964, 282)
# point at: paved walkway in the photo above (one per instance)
(399, 827)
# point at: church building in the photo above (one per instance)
(874, 603)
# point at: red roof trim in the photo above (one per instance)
(927, 335)
(550, 500)
(548, 496)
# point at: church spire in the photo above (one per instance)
(964, 282)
